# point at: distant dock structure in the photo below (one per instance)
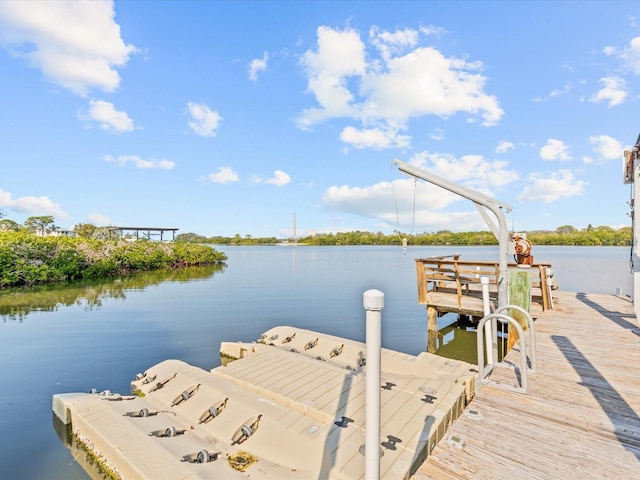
(143, 233)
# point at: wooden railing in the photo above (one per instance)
(449, 284)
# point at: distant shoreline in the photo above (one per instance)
(565, 235)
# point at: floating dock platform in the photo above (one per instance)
(289, 406)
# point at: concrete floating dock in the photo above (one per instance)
(581, 417)
(291, 406)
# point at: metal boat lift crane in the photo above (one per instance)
(480, 200)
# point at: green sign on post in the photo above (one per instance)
(520, 295)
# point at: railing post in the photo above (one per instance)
(491, 344)
(422, 281)
(373, 303)
(458, 286)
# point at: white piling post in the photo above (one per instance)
(489, 326)
(373, 304)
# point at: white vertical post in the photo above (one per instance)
(489, 326)
(636, 291)
(373, 303)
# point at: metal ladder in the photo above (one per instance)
(485, 370)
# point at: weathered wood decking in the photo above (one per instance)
(581, 417)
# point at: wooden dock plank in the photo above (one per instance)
(581, 417)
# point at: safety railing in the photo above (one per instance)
(449, 284)
(490, 321)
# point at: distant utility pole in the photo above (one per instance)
(295, 236)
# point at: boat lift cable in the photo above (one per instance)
(395, 202)
(413, 218)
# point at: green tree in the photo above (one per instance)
(190, 237)
(40, 224)
(566, 229)
(85, 230)
(9, 225)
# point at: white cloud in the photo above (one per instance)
(108, 118)
(384, 93)
(474, 171)
(425, 82)
(555, 150)
(279, 179)
(258, 65)
(340, 55)
(568, 87)
(437, 135)
(378, 201)
(76, 45)
(373, 138)
(141, 163)
(204, 121)
(389, 43)
(99, 219)
(393, 203)
(504, 147)
(557, 185)
(614, 91)
(433, 30)
(631, 55)
(224, 175)
(31, 205)
(608, 148)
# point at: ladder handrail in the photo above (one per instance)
(532, 332)
(523, 354)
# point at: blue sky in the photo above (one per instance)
(224, 118)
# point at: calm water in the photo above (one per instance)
(100, 334)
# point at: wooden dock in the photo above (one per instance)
(581, 417)
(448, 284)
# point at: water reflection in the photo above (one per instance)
(459, 342)
(16, 304)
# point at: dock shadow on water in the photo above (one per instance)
(17, 303)
(623, 418)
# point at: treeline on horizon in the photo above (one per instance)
(564, 235)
